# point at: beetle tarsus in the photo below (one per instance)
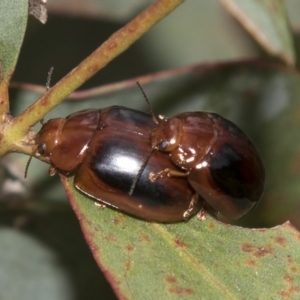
(193, 207)
(166, 173)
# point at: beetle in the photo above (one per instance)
(106, 149)
(158, 170)
(220, 161)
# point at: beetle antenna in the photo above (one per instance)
(28, 162)
(148, 102)
(138, 175)
(48, 86)
(49, 79)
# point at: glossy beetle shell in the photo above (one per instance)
(105, 149)
(220, 162)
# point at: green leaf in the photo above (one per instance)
(13, 16)
(207, 259)
(267, 22)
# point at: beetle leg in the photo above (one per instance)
(52, 171)
(194, 205)
(201, 215)
(167, 173)
(100, 205)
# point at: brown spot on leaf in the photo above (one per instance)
(291, 289)
(180, 243)
(127, 265)
(287, 278)
(188, 291)
(251, 263)
(247, 247)
(292, 266)
(175, 288)
(280, 240)
(262, 230)
(171, 279)
(117, 220)
(129, 247)
(145, 238)
(257, 251)
(181, 291)
(263, 251)
(111, 238)
(211, 225)
(294, 269)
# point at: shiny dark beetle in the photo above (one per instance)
(156, 171)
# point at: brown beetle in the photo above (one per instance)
(220, 162)
(160, 171)
(108, 150)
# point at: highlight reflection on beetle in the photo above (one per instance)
(158, 170)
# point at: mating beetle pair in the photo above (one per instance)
(158, 170)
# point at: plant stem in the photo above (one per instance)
(4, 103)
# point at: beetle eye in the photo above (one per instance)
(163, 145)
(41, 148)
